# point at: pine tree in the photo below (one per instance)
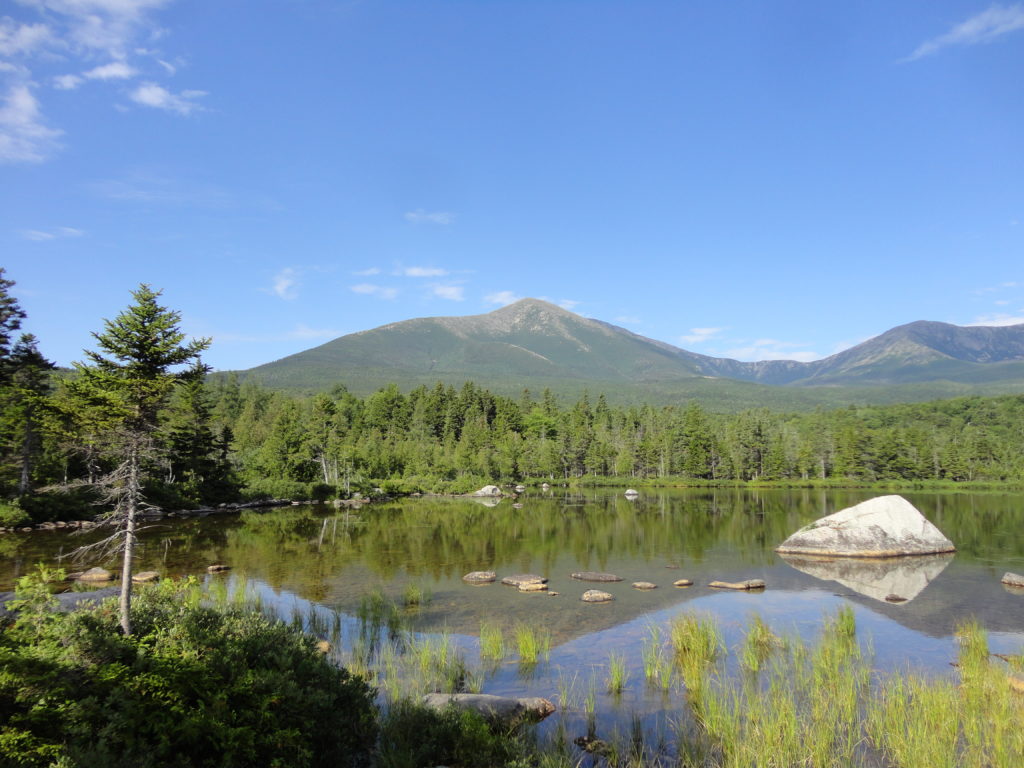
(141, 359)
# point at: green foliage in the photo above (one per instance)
(12, 515)
(413, 736)
(193, 686)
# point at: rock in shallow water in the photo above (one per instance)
(596, 596)
(594, 576)
(501, 709)
(1013, 579)
(682, 583)
(747, 584)
(480, 577)
(96, 574)
(518, 579)
(886, 526)
(644, 585)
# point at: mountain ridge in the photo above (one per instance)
(533, 342)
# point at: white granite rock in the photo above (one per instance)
(886, 526)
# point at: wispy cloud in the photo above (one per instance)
(17, 39)
(158, 97)
(39, 235)
(115, 70)
(285, 284)
(1004, 286)
(569, 304)
(700, 335)
(421, 272)
(502, 298)
(772, 349)
(369, 289)
(999, 319)
(420, 216)
(449, 292)
(147, 186)
(24, 135)
(79, 33)
(628, 319)
(367, 272)
(990, 24)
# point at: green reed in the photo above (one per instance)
(618, 675)
(532, 644)
(492, 642)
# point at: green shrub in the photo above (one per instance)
(72, 504)
(412, 736)
(12, 515)
(194, 686)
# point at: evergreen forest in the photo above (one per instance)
(224, 439)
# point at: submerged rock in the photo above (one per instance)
(892, 580)
(500, 709)
(886, 526)
(747, 584)
(594, 576)
(518, 579)
(596, 596)
(480, 577)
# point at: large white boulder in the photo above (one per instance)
(886, 526)
(488, 490)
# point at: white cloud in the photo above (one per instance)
(285, 284)
(101, 25)
(422, 272)
(39, 235)
(152, 95)
(503, 298)
(24, 138)
(996, 21)
(78, 32)
(700, 335)
(420, 216)
(369, 289)
(367, 272)
(998, 319)
(115, 70)
(772, 349)
(569, 304)
(450, 292)
(21, 39)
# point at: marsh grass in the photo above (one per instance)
(618, 675)
(532, 644)
(492, 642)
(416, 595)
(657, 665)
(758, 645)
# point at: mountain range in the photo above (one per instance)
(534, 344)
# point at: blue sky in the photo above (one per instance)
(748, 179)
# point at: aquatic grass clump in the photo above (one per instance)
(532, 644)
(657, 666)
(416, 595)
(696, 639)
(618, 675)
(758, 644)
(492, 642)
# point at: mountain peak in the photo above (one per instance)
(526, 305)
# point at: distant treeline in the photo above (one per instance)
(447, 438)
(220, 439)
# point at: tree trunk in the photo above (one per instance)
(131, 505)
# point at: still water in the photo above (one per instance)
(302, 559)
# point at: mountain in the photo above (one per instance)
(535, 344)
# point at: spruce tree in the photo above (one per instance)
(141, 358)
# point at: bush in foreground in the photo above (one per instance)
(193, 686)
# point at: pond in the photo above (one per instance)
(319, 563)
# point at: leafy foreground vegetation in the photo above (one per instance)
(208, 680)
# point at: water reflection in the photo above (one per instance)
(893, 580)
